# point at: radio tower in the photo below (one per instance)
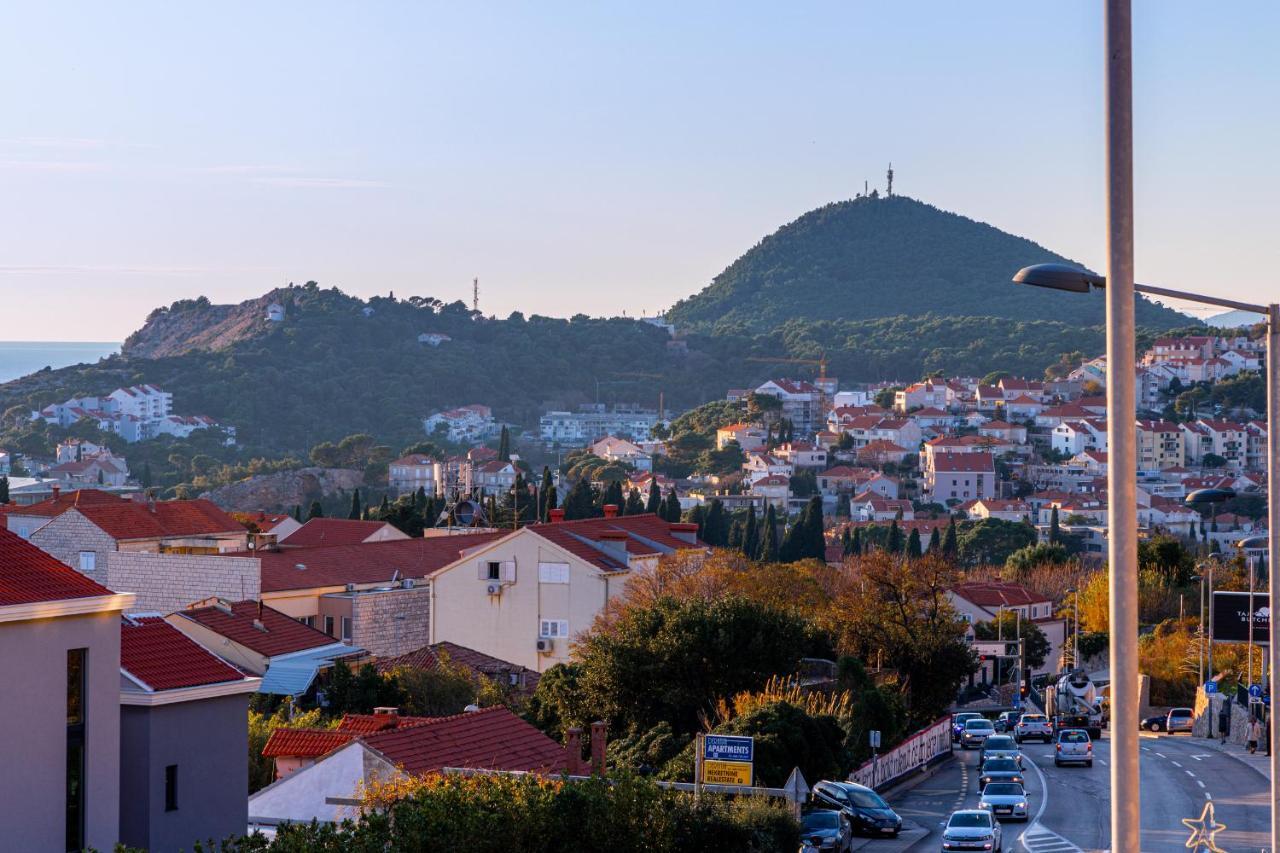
(475, 295)
(889, 191)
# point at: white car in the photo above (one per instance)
(976, 732)
(1035, 726)
(1005, 800)
(972, 829)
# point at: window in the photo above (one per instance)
(492, 571)
(554, 628)
(553, 572)
(171, 788)
(76, 672)
(88, 561)
(328, 625)
(346, 629)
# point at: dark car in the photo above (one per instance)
(1006, 721)
(868, 814)
(1154, 723)
(826, 830)
(1000, 770)
(958, 721)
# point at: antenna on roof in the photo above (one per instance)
(475, 295)
(889, 190)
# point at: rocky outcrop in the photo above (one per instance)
(198, 324)
(285, 489)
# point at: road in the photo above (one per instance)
(1070, 805)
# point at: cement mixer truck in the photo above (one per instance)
(1072, 703)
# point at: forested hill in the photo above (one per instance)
(882, 257)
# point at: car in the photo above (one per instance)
(826, 830)
(868, 814)
(1006, 721)
(976, 732)
(999, 770)
(1073, 747)
(1154, 723)
(958, 721)
(1000, 746)
(1005, 800)
(1033, 726)
(1180, 720)
(972, 829)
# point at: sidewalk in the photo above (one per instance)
(1259, 762)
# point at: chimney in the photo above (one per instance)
(57, 490)
(151, 503)
(610, 510)
(599, 738)
(614, 544)
(573, 746)
(556, 516)
(386, 711)
(685, 532)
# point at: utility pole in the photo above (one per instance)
(475, 295)
(1273, 546)
(889, 189)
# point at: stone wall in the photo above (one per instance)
(374, 626)
(1207, 710)
(169, 582)
(66, 536)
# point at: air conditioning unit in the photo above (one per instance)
(407, 583)
(351, 587)
(545, 645)
(494, 589)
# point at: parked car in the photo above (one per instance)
(976, 732)
(1073, 747)
(867, 812)
(999, 770)
(826, 830)
(1000, 746)
(1180, 720)
(1006, 721)
(958, 721)
(1154, 723)
(972, 829)
(1005, 800)
(1033, 726)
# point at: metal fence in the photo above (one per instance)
(912, 754)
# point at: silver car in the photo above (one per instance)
(976, 732)
(1000, 746)
(1073, 746)
(1179, 720)
(972, 829)
(1005, 800)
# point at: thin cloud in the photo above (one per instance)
(68, 143)
(79, 269)
(51, 166)
(321, 183)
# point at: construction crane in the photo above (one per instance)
(821, 362)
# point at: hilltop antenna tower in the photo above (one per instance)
(889, 190)
(475, 295)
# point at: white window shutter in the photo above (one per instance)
(482, 570)
(509, 571)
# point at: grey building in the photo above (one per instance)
(59, 651)
(184, 743)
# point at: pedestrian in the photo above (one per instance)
(1224, 722)
(1255, 734)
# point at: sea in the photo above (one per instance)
(19, 358)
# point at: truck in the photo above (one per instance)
(1072, 703)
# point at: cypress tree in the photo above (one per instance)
(935, 541)
(504, 445)
(1055, 532)
(297, 512)
(146, 475)
(949, 544)
(633, 506)
(612, 494)
(655, 497)
(715, 528)
(855, 542)
(4, 490)
(894, 545)
(735, 535)
(316, 511)
(354, 513)
(751, 534)
(698, 516)
(548, 503)
(547, 487)
(769, 537)
(420, 500)
(102, 478)
(846, 542)
(580, 502)
(813, 541)
(673, 506)
(913, 544)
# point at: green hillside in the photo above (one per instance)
(882, 257)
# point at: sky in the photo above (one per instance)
(594, 158)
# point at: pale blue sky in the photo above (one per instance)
(592, 157)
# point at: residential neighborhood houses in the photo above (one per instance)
(135, 413)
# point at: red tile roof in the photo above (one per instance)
(139, 520)
(995, 593)
(977, 462)
(369, 562)
(280, 634)
(335, 531)
(646, 535)
(428, 657)
(367, 724)
(29, 575)
(55, 506)
(305, 743)
(163, 658)
(491, 738)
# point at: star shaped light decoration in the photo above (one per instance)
(1203, 831)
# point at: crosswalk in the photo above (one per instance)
(1037, 839)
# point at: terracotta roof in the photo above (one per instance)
(163, 658)
(428, 657)
(646, 535)
(491, 738)
(29, 575)
(995, 593)
(367, 724)
(413, 459)
(55, 506)
(139, 520)
(305, 743)
(368, 562)
(977, 462)
(336, 531)
(280, 634)
(772, 480)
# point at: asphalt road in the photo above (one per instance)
(1070, 805)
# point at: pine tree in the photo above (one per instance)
(654, 504)
(146, 476)
(1055, 532)
(698, 516)
(634, 505)
(580, 502)
(935, 541)
(949, 544)
(355, 505)
(4, 490)
(504, 444)
(316, 511)
(913, 543)
(612, 494)
(715, 528)
(855, 542)
(751, 534)
(420, 500)
(297, 512)
(769, 537)
(673, 506)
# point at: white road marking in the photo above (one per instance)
(1189, 773)
(1175, 764)
(1162, 755)
(1040, 839)
(1198, 782)
(1208, 796)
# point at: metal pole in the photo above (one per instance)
(1201, 626)
(1209, 672)
(1075, 635)
(1273, 543)
(1122, 504)
(1252, 609)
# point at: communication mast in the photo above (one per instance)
(889, 190)
(475, 295)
